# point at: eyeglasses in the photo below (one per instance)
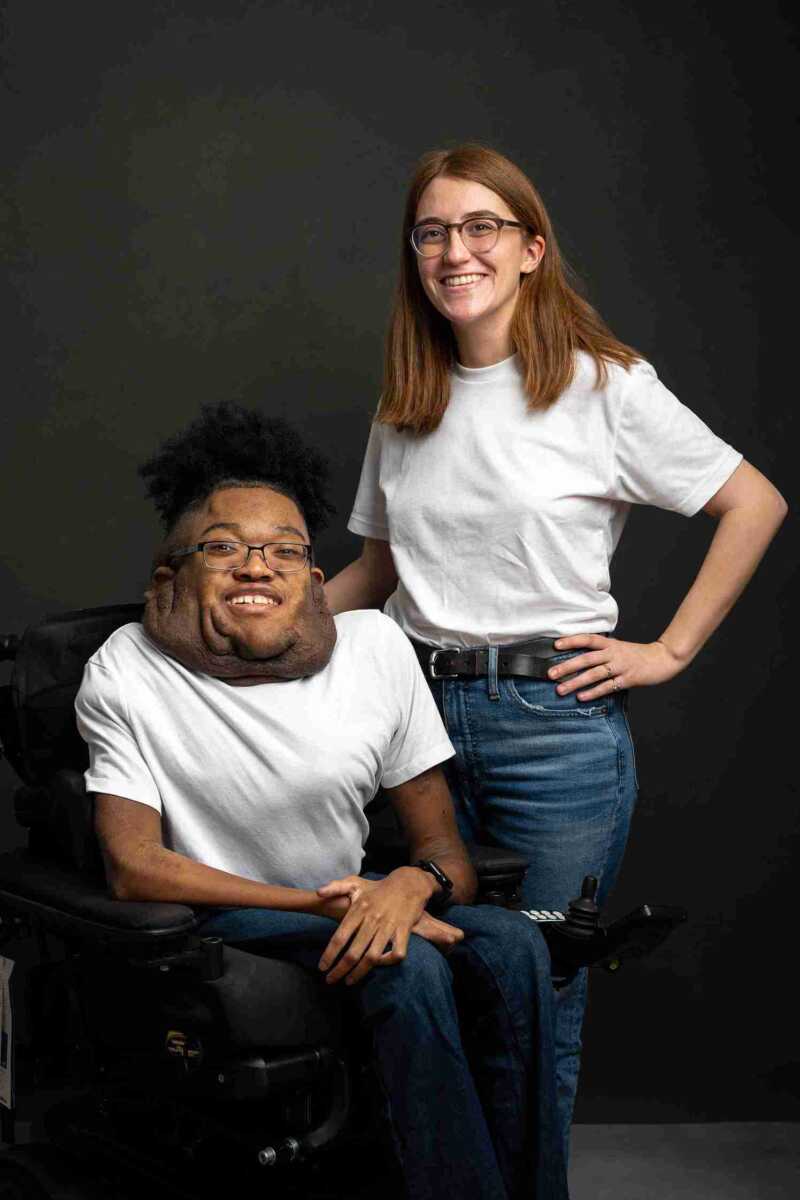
(431, 238)
(231, 556)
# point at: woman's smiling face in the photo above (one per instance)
(472, 288)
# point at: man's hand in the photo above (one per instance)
(382, 915)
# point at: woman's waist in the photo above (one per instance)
(532, 657)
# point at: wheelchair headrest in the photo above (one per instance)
(48, 669)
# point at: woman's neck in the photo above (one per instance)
(482, 347)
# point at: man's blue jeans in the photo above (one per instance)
(462, 1047)
(555, 780)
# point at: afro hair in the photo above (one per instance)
(230, 445)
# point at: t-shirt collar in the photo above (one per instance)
(506, 371)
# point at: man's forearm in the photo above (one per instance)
(157, 874)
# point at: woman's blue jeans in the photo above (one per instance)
(555, 780)
(462, 1046)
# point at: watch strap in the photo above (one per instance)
(439, 899)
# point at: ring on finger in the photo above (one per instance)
(608, 668)
(615, 684)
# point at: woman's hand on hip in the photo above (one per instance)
(609, 665)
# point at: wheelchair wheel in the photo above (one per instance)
(41, 1172)
(16, 1183)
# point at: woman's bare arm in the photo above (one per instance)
(749, 512)
(368, 582)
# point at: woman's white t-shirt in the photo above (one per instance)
(503, 522)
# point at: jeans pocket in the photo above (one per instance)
(540, 698)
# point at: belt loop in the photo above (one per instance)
(494, 688)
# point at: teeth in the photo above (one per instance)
(458, 280)
(253, 599)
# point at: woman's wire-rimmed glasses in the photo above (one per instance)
(430, 239)
(232, 556)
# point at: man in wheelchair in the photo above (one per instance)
(236, 738)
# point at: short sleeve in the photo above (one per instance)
(368, 517)
(116, 765)
(664, 454)
(419, 741)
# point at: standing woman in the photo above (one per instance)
(513, 434)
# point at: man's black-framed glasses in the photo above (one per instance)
(431, 238)
(232, 556)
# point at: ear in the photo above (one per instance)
(533, 255)
(161, 576)
(318, 575)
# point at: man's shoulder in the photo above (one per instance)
(124, 646)
(368, 626)
(367, 636)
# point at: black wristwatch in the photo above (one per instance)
(441, 899)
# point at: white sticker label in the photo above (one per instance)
(6, 1034)
(543, 915)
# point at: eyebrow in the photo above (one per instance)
(481, 212)
(238, 529)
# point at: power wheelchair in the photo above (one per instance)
(186, 1063)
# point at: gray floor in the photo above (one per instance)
(726, 1161)
(741, 1161)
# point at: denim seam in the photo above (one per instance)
(471, 757)
(387, 1104)
(614, 823)
(633, 747)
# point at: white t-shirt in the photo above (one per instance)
(268, 782)
(503, 522)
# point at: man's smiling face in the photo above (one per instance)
(252, 611)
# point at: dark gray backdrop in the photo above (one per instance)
(202, 202)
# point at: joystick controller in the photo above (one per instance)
(583, 916)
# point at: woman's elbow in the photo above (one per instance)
(781, 508)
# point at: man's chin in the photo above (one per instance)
(251, 637)
(259, 648)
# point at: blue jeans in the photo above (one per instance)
(554, 779)
(462, 1047)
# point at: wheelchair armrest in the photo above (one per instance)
(499, 874)
(63, 901)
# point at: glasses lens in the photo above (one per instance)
(279, 556)
(224, 556)
(480, 234)
(429, 240)
(286, 556)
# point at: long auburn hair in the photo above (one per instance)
(551, 320)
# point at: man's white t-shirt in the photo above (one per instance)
(269, 782)
(503, 522)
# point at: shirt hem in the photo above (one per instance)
(368, 528)
(423, 762)
(702, 492)
(117, 787)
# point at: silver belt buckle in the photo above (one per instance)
(432, 666)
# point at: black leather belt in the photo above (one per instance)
(530, 658)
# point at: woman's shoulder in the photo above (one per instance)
(618, 375)
(622, 384)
